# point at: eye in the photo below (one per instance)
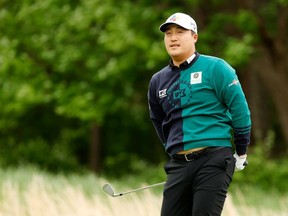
(168, 33)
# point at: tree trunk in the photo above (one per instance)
(272, 67)
(276, 83)
(95, 148)
(259, 104)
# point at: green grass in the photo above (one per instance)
(30, 192)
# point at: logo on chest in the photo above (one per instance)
(196, 77)
(162, 93)
(179, 94)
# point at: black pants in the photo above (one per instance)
(198, 187)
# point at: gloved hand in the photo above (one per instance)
(241, 162)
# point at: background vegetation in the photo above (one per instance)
(29, 191)
(74, 76)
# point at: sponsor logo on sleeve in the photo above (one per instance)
(234, 82)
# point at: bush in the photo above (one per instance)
(263, 172)
(129, 167)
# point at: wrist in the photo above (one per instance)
(241, 150)
(242, 156)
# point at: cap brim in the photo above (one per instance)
(164, 26)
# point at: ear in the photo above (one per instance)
(195, 37)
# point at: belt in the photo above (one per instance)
(195, 155)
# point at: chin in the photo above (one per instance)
(175, 55)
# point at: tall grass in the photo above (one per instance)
(33, 193)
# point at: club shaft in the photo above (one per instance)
(142, 188)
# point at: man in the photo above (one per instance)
(194, 103)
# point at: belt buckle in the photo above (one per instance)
(192, 153)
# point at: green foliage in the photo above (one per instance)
(235, 46)
(131, 169)
(262, 171)
(66, 65)
(40, 149)
(238, 45)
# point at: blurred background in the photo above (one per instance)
(74, 76)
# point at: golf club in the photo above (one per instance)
(110, 191)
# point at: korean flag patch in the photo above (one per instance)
(196, 77)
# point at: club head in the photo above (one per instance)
(109, 190)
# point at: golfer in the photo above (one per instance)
(197, 106)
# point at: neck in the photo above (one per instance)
(178, 61)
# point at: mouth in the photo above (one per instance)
(174, 45)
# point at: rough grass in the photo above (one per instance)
(26, 193)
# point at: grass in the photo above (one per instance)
(30, 192)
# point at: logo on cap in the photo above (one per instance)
(182, 20)
(173, 18)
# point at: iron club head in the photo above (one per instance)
(109, 190)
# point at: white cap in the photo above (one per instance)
(182, 20)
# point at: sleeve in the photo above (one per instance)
(230, 93)
(157, 114)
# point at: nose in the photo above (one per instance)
(173, 37)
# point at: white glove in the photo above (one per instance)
(241, 162)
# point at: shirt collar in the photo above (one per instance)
(188, 61)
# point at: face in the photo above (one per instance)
(179, 43)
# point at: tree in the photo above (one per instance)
(77, 61)
(74, 74)
(272, 21)
(264, 26)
